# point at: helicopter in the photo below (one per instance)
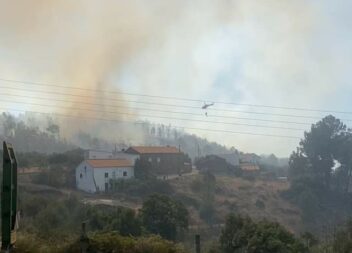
(205, 106)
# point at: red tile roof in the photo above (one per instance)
(108, 163)
(153, 150)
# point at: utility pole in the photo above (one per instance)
(197, 242)
(84, 240)
(9, 215)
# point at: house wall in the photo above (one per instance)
(165, 163)
(127, 156)
(112, 173)
(85, 178)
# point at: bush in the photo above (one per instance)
(260, 204)
(120, 219)
(113, 242)
(103, 242)
(164, 216)
(242, 234)
(136, 187)
(207, 212)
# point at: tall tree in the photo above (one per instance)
(164, 216)
(318, 150)
(242, 234)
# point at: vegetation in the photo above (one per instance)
(32, 132)
(143, 170)
(140, 188)
(60, 217)
(205, 186)
(216, 165)
(57, 170)
(320, 172)
(343, 239)
(29, 137)
(102, 242)
(242, 234)
(164, 216)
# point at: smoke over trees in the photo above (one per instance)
(33, 132)
(320, 173)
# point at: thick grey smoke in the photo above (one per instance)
(240, 50)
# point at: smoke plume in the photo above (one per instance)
(240, 50)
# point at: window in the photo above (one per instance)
(80, 175)
(125, 173)
(106, 174)
(158, 159)
(85, 169)
(113, 174)
(150, 159)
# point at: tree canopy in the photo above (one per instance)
(327, 144)
(242, 234)
(164, 216)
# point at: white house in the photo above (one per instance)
(94, 175)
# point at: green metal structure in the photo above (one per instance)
(8, 198)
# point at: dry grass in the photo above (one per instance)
(242, 196)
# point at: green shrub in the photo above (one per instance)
(137, 187)
(111, 242)
(260, 204)
(242, 234)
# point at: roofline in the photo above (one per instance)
(100, 167)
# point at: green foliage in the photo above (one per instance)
(241, 234)
(102, 242)
(186, 200)
(27, 137)
(140, 188)
(343, 240)
(318, 187)
(30, 243)
(143, 170)
(110, 242)
(69, 158)
(164, 216)
(205, 186)
(216, 164)
(57, 170)
(309, 239)
(31, 159)
(207, 212)
(55, 176)
(119, 219)
(260, 204)
(326, 142)
(61, 216)
(307, 194)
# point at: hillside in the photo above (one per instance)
(258, 199)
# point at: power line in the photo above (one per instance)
(176, 98)
(152, 110)
(152, 116)
(136, 122)
(172, 105)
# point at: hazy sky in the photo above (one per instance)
(291, 53)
